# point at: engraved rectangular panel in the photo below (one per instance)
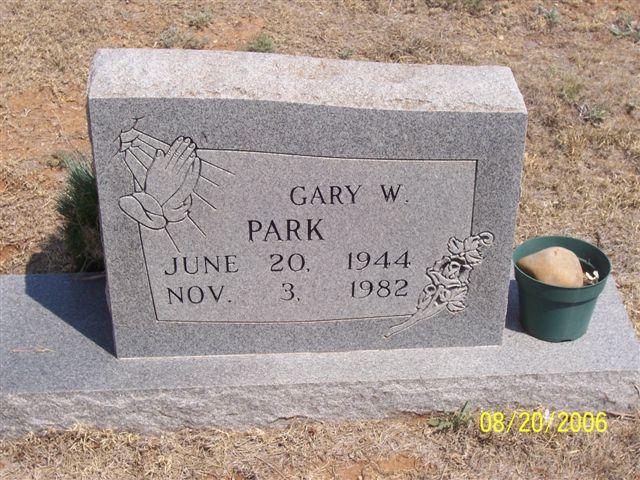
(286, 238)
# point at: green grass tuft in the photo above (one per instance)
(170, 37)
(593, 114)
(346, 53)
(173, 37)
(473, 7)
(195, 42)
(570, 90)
(199, 20)
(262, 43)
(453, 420)
(625, 26)
(551, 15)
(78, 205)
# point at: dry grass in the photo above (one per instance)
(405, 448)
(581, 84)
(580, 81)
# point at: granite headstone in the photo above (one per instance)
(256, 203)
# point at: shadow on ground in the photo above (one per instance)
(77, 298)
(513, 309)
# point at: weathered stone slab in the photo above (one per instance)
(264, 203)
(56, 369)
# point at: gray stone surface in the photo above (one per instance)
(266, 130)
(56, 369)
(137, 73)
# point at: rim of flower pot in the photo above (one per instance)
(551, 237)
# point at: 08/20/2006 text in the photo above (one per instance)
(539, 421)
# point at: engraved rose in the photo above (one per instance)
(469, 251)
(449, 272)
(448, 279)
(446, 286)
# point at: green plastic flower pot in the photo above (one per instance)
(559, 314)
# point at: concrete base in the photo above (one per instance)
(56, 368)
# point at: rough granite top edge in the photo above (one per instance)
(156, 73)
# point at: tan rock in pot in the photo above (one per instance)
(556, 266)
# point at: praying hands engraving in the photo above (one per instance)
(165, 182)
(174, 175)
(165, 189)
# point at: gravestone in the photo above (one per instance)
(257, 203)
(334, 219)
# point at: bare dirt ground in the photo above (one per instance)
(578, 66)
